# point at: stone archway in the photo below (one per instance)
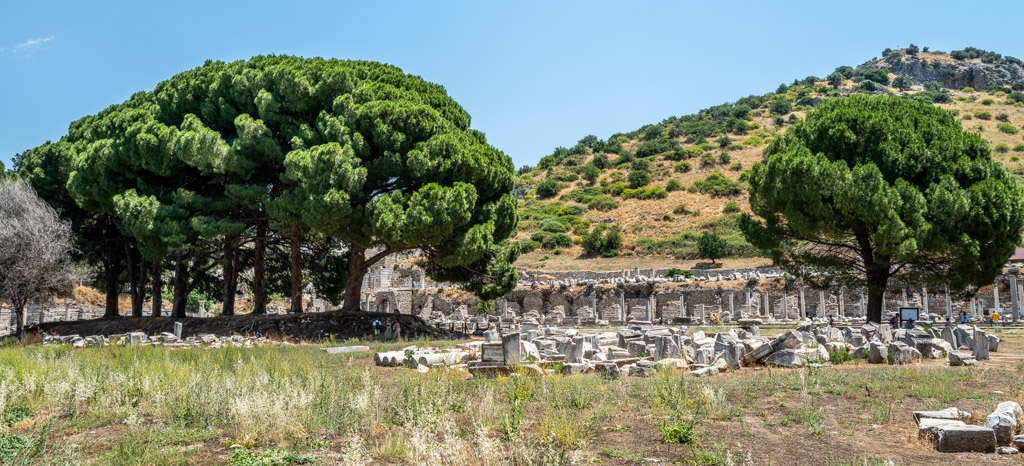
(385, 305)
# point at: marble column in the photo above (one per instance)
(732, 312)
(803, 305)
(821, 304)
(924, 299)
(703, 320)
(949, 305)
(767, 305)
(995, 296)
(842, 305)
(1014, 299)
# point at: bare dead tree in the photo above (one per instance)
(35, 249)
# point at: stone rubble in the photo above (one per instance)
(642, 348)
(170, 340)
(947, 430)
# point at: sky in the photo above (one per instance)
(533, 75)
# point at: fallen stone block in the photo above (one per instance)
(784, 358)
(964, 438)
(608, 369)
(710, 370)
(789, 340)
(956, 358)
(993, 343)
(1007, 450)
(1005, 421)
(951, 413)
(1018, 441)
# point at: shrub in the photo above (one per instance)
(780, 106)
(1007, 128)
(680, 209)
(674, 272)
(1002, 148)
(1003, 117)
(603, 203)
(987, 101)
(968, 116)
(553, 226)
(1016, 97)
(1018, 148)
(657, 146)
(548, 188)
(708, 161)
(901, 83)
(590, 173)
(603, 240)
(731, 207)
(724, 141)
(617, 188)
(639, 178)
(674, 185)
(983, 115)
(557, 240)
(877, 75)
(528, 245)
(654, 192)
(677, 432)
(601, 161)
(718, 184)
(724, 158)
(736, 166)
(1014, 158)
(683, 167)
(840, 356)
(967, 89)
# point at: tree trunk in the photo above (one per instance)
(111, 273)
(878, 280)
(136, 279)
(296, 254)
(354, 284)
(259, 270)
(180, 288)
(19, 316)
(158, 289)
(230, 273)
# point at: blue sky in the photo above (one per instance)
(534, 75)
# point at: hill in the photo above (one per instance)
(663, 185)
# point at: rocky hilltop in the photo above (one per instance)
(974, 68)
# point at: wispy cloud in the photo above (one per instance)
(27, 48)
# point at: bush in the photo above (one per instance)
(553, 226)
(901, 83)
(548, 188)
(1002, 148)
(590, 173)
(683, 167)
(731, 207)
(983, 115)
(677, 432)
(724, 141)
(674, 272)
(724, 158)
(603, 203)
(987, 101)
(601, 161)
(718, 184)
(639, 178)
(528, 245)
(674, 185)
(657, 146)
(1007, 128)
(1003, 117)
(680, 209)
(617, 188)
(1018, 148)
(736, 166)
(780, 106)
(603, 240)
(840, 356)
(967, 89)
(557, 240)
(877, 75)
(708, 161)
(1016, 97)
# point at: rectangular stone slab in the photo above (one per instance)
(964, 438)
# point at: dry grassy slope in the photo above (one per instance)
(655, 218)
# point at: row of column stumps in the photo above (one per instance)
(975, 309)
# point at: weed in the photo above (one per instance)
(272, 457)
(676, 432)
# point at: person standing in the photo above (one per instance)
(376, 328)
(398, 330)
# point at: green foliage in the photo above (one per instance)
(1007, 128)
(731, 207)
(601, 161)
(484, 307)
(679, 432)
(603, 203)
(901, 83)
(674, 272)
(780, 106)
(682, 167)
(840, 356)
(1002, 148)
(590, 173)
(987, 101)
(639, 178)
(556, 240)
(724, 158)
(603, 240)
(11, 448)
(711, 246)
(983, 115)
(271, 457)
(708, 161)
(651, 192)
(877, 75)
(1016, 96)
(717, 184)
(658, 146)
(14, 414)
(553, 226)
(674, 185)
(915, 211)
(548, 188)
